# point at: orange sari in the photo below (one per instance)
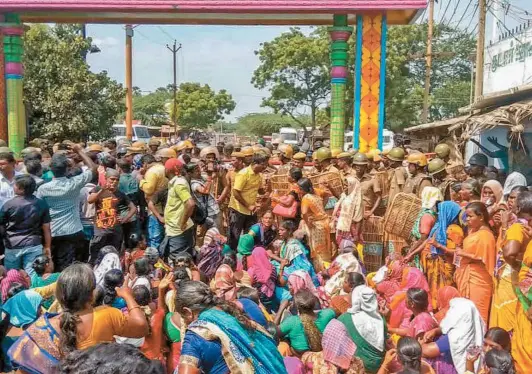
(474, 279)
(318, 231)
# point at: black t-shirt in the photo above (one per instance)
(110, 206)
(21, 219)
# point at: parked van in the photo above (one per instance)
(140, 133)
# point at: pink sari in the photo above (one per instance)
(422, 323)
(400, 314)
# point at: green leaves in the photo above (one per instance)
(64, 99)
(198, 106)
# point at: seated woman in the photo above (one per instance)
(21, 309)
(342, 303)
(210, 255)
(107, 259)
(213, 327)
(461, 328)
(44, 276)
(400, 315)
(185, 259)
(393, 277)
(304, 330)
(495, 339)
(409, 355)
(338, 354)
(264, 233)
(342, 265)
(139, 274)
(417, 300)
(106, 292)
(263, 277)
(498, 361)
(79, 326)
(445, 295)
(366, 327)
(299, 280)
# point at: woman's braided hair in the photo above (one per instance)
(409, 353)
(197, 297)
(305, 303)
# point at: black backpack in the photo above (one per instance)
(199, 216)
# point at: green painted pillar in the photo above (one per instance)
(12, 31)
(339, 34)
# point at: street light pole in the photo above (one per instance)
(129, 82)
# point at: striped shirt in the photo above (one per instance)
(63, 197)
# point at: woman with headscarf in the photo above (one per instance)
(393, 276)
(437, 257)
(337, 355)
(513, 180)
(13, 276)
(211, 253)
(366, 327)
(349, 212)
(263, 277)
(317, 224)
(400, 315)
(424, 223)
(107, 260)
(492, 197)
(445, 295)
(337, 273)
(299, 280)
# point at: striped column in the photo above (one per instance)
(339, 34)
(3, 104)
(370, 79)
(13, 49)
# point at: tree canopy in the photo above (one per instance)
(294, 67)
(261, 124)
(64, 99)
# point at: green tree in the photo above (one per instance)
(294, 68)
(198, 106)
(65, 100)
(261, 124)
(152, 109)
(405, 75)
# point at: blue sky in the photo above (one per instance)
(223, 56)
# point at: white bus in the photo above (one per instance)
(140, 133)
(289, 135)
(387, 140)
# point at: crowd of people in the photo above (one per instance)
(254, 258)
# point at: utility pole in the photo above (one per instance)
(479, 80)
(174, 49)
(428, 66)
(129, 82)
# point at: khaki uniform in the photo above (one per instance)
(416, 184)
(371, 188)
(283, 169)
(398, 177)
(454, 169)
(445, 187)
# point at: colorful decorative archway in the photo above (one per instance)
(370, 16)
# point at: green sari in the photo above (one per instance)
(371, 356)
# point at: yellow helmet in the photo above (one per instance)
(417, 158)
(335, 152)
(155, 142)
(323, 154)
(442, 150)
(374, 155)
(139, 144)
(208, 150)
(286, 150)
(188, 144)
(396, 154)
(247, 151)
(299, 156)
(166, 153)
(315, 156)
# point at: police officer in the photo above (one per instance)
(417, 180)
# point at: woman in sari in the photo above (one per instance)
(409, 355)
(337, 355)
(513, 180)
(79, 326)
(13, 276)
(392, 278)
(21, 311)
(476, 262)
(417, 302)
(424, 223)
(437, 257)
(341, 303)
(44, 276)
(342, 265)
(492, 193)
(220, 339)
(349, 213)
(300, 280)
(317, 225)
(264, 233)
(504, 303)
(400, 314)
(211, 253)
(366, 327)
(263, 277)
(518, 255)
(445, 295)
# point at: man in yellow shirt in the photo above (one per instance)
(242, 205)
(154, 181)
(177, 212)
